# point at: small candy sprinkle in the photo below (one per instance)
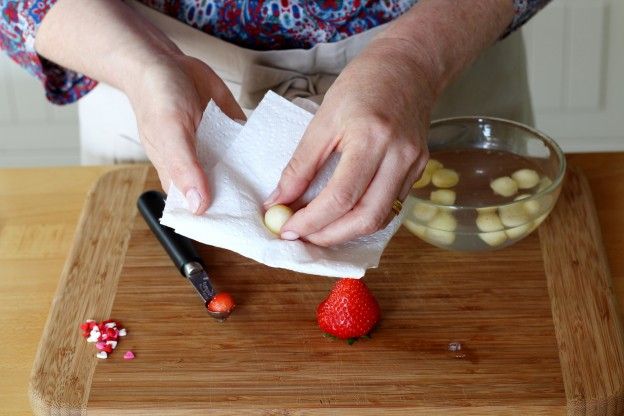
(102, 355)
(128, 355)
(100, 345)
(111, 334)
(113, 344)
(87, 327)
(110, 325)
(122, 332)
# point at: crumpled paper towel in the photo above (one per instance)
(244, 164)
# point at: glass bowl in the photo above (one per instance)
(489, 183)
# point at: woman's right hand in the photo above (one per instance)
(168, 101)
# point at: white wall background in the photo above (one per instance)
(575, 51)
(32, 131)
(576, 66)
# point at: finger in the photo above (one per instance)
(172, 151)
(355, 170)
(373, 211)
(313, 150)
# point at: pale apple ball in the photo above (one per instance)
(276, 216)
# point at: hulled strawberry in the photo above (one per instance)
(350, 311)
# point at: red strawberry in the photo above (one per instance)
(221, 302)
(350, 310)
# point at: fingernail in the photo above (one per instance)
(193, 198)
(289, 235)
(272, 198)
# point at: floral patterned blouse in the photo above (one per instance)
(255, 24)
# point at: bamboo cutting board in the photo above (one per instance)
(537, 323)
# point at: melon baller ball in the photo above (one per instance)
(513, 215)
(525, 178)
(433, 165)
(532, 207)
(415, 228)
(493, 239)
(445, 238)
(443, 196)
(520, 231)
(489, 222)
(424, 180)
(276, 216)
(444, 221)
(504, 186)
(445, 178)
(424, 212)
(544, 183)
(440, 228)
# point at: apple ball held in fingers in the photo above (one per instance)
(376, 114)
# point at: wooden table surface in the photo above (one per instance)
(39, 210)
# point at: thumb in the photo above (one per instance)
(172, 151)
(190, 179)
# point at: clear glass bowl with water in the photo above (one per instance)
(480, 150)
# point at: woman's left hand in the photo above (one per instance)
(376, 115)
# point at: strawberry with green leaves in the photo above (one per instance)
(349, 312)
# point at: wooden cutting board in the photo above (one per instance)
(537, 323)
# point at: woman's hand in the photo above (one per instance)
(168, 102)
(108, 41)
(376, 116)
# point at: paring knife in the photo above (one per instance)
(151, 205)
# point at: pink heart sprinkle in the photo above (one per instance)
(100, 345)
(128, 355)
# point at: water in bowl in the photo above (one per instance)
(475, 221)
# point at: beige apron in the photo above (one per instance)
(495, 85)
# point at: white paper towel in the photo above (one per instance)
(244, 164)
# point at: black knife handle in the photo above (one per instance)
(151, 205)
